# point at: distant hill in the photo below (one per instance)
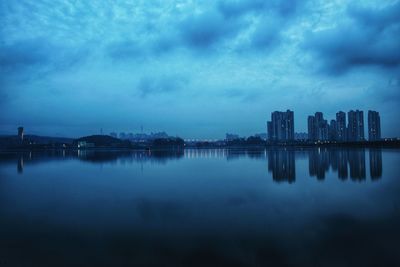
(10, 141)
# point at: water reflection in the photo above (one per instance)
(375, 163)
(20, 165)
(282, 165)
(347, 163)
(209, 207)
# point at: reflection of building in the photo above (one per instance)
(281, 126)
(282, 165)
(357, 164)
(342, 159)
(374, 126)
(355, 129)
(318, 163)
(20, 164)
(375, 163)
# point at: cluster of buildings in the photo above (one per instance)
(343, 130)
(140, 137)
(350, 129)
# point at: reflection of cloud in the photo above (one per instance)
(153, 211)
(345, 239)
(241, 200)
(236, 201)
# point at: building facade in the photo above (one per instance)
(21, 133)
(374, 126)
(281, 126)
(355, 129)
(318, 127)
(341, 126)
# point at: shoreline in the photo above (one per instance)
(380, 144)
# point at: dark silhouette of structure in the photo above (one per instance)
(281, 126)
(374, 126)
(21, 134)
(355, 127)
(320, 130)
(318, 127)
(341, 126)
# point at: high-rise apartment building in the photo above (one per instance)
(341, 126)
(374, 126)
(318, 127)
(281, 126)
(355, 129)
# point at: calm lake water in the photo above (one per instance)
(284, 207)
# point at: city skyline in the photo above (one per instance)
(281, 127)
(194, 68)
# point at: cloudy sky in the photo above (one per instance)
(194, 68)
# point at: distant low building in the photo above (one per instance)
(231, 137)
(21, 133)
(84, 144)
(300, 136)
(263, 136)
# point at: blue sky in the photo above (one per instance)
(194, 68)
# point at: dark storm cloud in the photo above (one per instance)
(164, 44)
(95, 53)
(267, 35)
(241, 95)
(273, 17)
(204, 30)
(238, 8)
(38, 55)
(126, 50)
(241, 7)
(386, 93)
(150, 85)
(24, 54)
(370, 39)
(208, 30)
